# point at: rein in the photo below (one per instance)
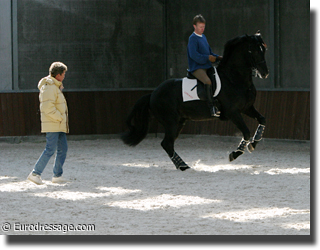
(255, 71)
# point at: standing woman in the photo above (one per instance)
(54, 122)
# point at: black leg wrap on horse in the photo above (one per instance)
(178, 162)
(242, 145)
(256, 138)
(240, 150)
(259, 132)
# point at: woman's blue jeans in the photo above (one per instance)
(56, 141)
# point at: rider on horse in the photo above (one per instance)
(200, 57)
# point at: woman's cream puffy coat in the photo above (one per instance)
(53, 106)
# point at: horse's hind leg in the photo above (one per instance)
(171, 133)
(181, 124)
(253, 113)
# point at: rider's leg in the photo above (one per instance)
(210, 73)
(201, 75)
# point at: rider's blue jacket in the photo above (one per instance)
(198, 53)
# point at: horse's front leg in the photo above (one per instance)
(253, 113)
(256, 138)
(239, 122)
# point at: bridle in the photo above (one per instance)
(254, 65)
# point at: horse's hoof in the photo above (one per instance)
(234, 155)
(250, 148)
(183, 168)
(231, 157)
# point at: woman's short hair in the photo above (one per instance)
(57, 68)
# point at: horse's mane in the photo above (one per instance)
(230, 45)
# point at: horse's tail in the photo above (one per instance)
(137, 122)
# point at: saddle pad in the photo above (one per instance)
(189, 89)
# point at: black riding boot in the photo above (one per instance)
(213, 110)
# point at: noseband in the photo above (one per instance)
(254, 65)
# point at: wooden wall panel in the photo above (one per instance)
(2, 131)
(104, 112)
(287, 114)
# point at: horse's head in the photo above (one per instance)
(256, 50)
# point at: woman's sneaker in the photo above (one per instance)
(35, 178)
(59, 180)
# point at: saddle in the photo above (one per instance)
(200, 85)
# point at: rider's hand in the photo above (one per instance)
(212, 58)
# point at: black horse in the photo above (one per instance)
(242, 56)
